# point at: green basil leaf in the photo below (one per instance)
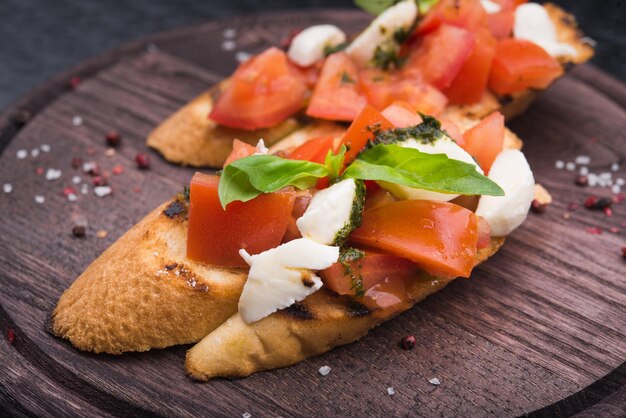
(425, 5)
(334, 162)
(248, 177)
(412, 168)
(375, 7)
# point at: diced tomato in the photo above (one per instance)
(263, 92)
(485, 140)
(389, 294)
(303, 198)
(440, 237)
(309, 75)
(361, 131)
(377, 197)
(453, 131)
(501, 23)
(468, 14)
(470, 84)
(216, 235)
(484, 233)
(402, 114)
(369, 270)
(337, 95)
(314, 150)
(240, 150)
(383, 88)
(440, 55)
(519, 65)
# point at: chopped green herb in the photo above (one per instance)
(346, 257)
(346, 79)
(400, 35)
(356, 214)
(426, 132)
(386, 58)
(328, 49)
(375, 7)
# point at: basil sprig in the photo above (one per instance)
(410, 167)
(376, 7)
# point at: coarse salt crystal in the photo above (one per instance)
(7, 187)
(21, 154)
(616, 189)
(242, 56)
(40, 199)
(570, 166)
(44, 147)
(583, 171)
(614, 167)
(77, 121)
(102, 191)
(34, 152)
(583, 160)
(391, 391)
(606, 176)
(72, 197)
(76, 179)
(53, 174)
(229, 45)
(229, 33)
(246, 415)
(559, 164)
(110, 152)
(324, 370)
(434, 381)
(620, 181)
(84, 189)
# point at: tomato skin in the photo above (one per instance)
(302, 200)
(240, 150)
(389, 294)
(402, 114)
(314, 150)
(361, 130)
(485, 140)
(484, 233)
(470, 84)
(467, 14)
(519, 65)
(440, 55)
(373, 268)
(262, 92)
(440, 237)
(337, 95)
(216, 235)
(501, 23)
(453, 131)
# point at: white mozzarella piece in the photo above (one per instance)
(511, 172)
(533, 23)
(308, 46)
(328, 213)
(443, 145)
(491, 7)
(282, 276)
(380, 32)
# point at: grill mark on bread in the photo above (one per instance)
(299, 311)
(184, 272)
(356, 309)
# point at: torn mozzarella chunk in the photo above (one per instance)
(511, 172)
(308, 46)
(381, 31)
(491, 7)
(329, 214)
(533, 23)
(443, 145)
(282, 276)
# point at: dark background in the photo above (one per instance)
(39, 38)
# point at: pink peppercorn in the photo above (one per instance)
(113, 139)
(10, 335)
(143, 161)
(408, 342)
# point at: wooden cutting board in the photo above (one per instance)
(540, 327)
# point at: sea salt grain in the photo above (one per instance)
(84, 189)
(40, 199)
(324, 370)
(77, 121)
(53, 174)
(229, 33)
(616, 189)
(570, 166)
(21, 154)
(72, 197)
(620, 181)
(34, 153)
(583, 160)
(45, 147)
(229, 45)
(434, 381)
(7, 187)
(102, 191)
(559, 164)
(76, 179)
(242, 56)
(246, 415)
(391, 391)
(614, 167)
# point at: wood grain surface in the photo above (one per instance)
(539, 329)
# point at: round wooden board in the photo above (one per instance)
(540, 327)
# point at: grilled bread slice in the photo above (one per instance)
(189, 137)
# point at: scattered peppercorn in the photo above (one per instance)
(100, 181)
(117, 170)
(604, 203)
(613, 230)
(39, 171)
(624, 252)
(143, 161)
(593, 230)
(590, 202)
(77, 162)
(408, 342)
(68, 191)
(113, 139)
(572, 206)
(538, 207)
(608, 211)
(79, 231)
(74, 82)
(10, 335)
(619, 198)
(582, 181)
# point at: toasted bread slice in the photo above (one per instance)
(189, 137)
(309, 328)
(143, 293)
